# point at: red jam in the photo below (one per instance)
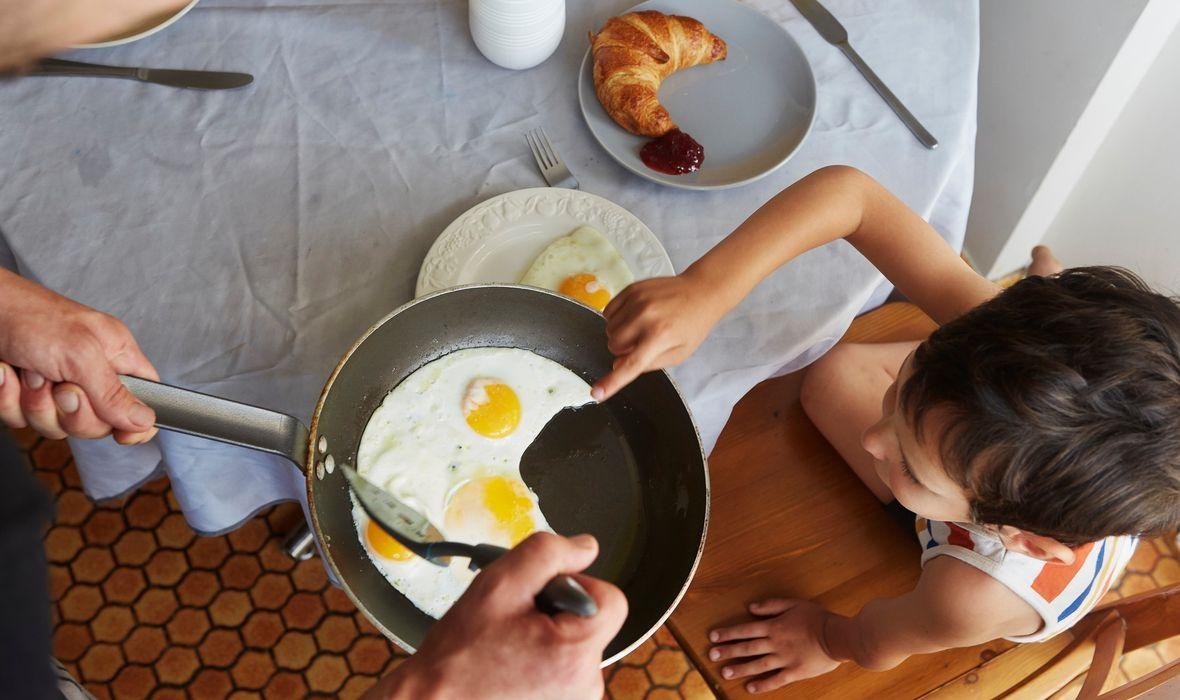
(675, 153)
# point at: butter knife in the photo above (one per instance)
(195, 79)
(834, 33)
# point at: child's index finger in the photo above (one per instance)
(627, 368)
(746, 630)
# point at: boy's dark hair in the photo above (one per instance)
(1063, 399)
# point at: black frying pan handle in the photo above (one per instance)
(202, 415)
(562, 594)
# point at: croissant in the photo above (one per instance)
(634, 53)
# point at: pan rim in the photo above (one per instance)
(311, 478)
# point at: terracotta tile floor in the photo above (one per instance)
(144, 607)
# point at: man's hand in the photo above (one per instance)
(657, 323)
(788, 645)
(69, 357)
(494, 643)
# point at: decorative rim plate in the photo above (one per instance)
(143, 30)
(766, 73)
(498, 239)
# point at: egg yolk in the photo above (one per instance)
(506, 500)
(384, 544)
(492, 408)
(586, 288)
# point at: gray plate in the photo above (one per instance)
(750, 111)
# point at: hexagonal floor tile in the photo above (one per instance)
(198, 588)
(47, 454)
(188, 626)
(262, 629)
(303, 611)
(230, 608)
(146, 510)
(71, 640)
(221, 648)
(155, 606)
(147, 608)
(295, 650)
(112, 624)
(177, 665)
(101, 662)
(327, 673)
(285, 684)
(240, 571)
(124, 585)
(628, 682)
(174, 532)
(145, 645)
(133, 682)
(253, 670)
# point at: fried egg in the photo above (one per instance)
(448, 442)
(583, 265)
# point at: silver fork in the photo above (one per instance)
(553, 169)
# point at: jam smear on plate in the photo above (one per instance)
(674, 153)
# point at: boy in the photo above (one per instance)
(1035, 434)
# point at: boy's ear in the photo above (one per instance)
(1036, 546)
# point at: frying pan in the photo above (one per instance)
(630, 471)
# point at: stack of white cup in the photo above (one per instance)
(517, 34)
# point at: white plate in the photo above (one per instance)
(750, 112)
(144, 29)
(497, 240)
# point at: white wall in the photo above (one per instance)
(1040, 63)
(1125, 210)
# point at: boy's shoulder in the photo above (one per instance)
(964, 601)
(1060, 593)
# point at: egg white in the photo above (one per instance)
(585, 250)
(419, 446)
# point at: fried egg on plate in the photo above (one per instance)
(583, 265)
(448, 441)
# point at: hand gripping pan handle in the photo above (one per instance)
(215, 418)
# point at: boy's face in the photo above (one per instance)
(912, 468)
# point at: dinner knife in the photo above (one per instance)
(415, 532)
(195, 79)
(831, 30)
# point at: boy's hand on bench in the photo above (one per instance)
(788, 644)
(656, 323)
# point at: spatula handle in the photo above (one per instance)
(562, 594)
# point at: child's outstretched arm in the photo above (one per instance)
(659, 322)
(953, 605)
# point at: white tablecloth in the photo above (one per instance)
(248, 237)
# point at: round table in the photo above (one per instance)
(247, 237)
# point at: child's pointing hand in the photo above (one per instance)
(656, 323)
